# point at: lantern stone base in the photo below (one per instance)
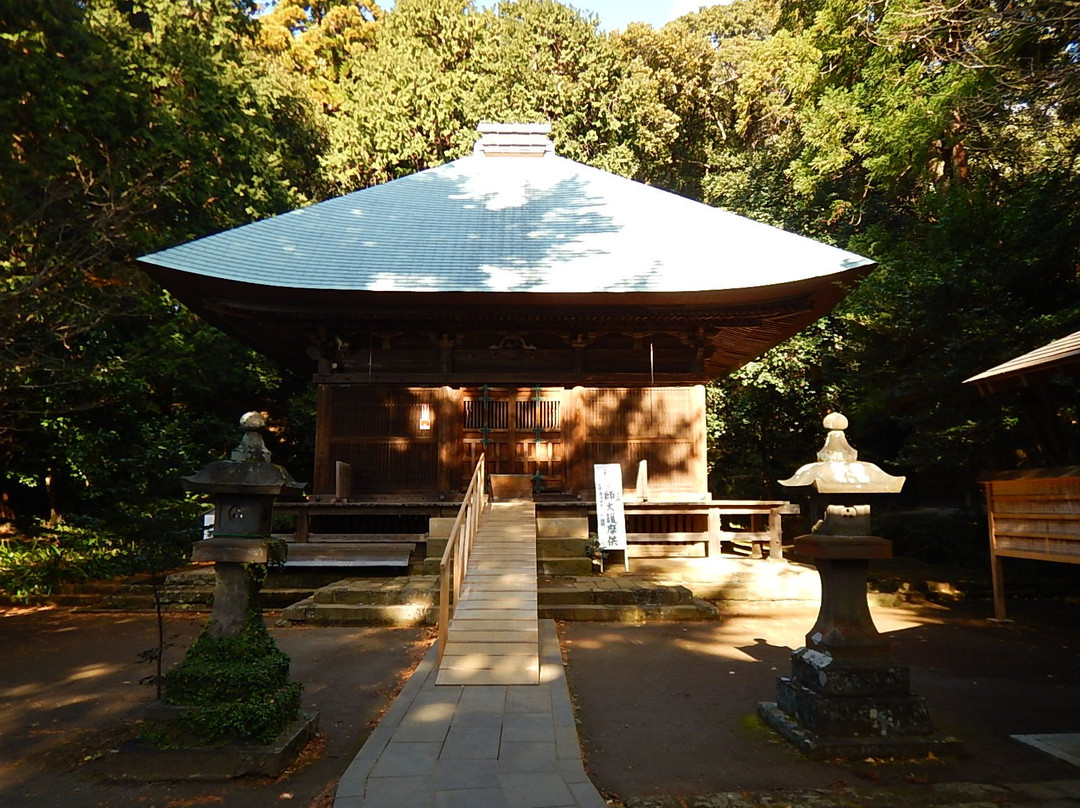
(847, 695)
(824, 747)
(139, 761)
(837, 700)
(857, 703)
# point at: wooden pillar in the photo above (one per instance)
(342, 481)
(448, 435)
(997, 575)
(700, 453)
(715, 531)
(573, 438)
(303, 525)
(323, 480)
(452, 441)
(776, 543)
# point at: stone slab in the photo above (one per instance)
(1062, 745)
(825, 748)
(562, 527)
(141, 762)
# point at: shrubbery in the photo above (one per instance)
(235, 690)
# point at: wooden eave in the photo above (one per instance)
(733, 325)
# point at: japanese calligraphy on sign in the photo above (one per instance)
(610, 522)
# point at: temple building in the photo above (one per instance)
(514, 303)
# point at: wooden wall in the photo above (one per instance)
(557, 431)
(664, 426)
(377, 432)
(1032, 514)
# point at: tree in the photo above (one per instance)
(132, 128)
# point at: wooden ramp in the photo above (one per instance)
(492, 637)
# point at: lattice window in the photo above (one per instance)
(487, 414)
(537, 414)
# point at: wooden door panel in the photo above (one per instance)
(519, 429)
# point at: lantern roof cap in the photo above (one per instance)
(838, 469)
(248, 471)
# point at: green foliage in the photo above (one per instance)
(32, 566)
(941, 139)
(947, 537)
(865, 125)
(984, 277)
(432, 70)
(131, 128)
(35, 562)
(234, 690)
(764, 420)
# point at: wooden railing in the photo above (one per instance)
(455, 557)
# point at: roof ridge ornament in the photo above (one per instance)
(513, 139)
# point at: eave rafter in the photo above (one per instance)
(721, 337)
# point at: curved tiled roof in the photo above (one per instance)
(508, 224)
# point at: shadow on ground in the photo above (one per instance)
(665, 709)
(69, 692)
(669, 709)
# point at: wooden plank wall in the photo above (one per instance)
(376, 430)
(562, 432)
(665, 426)
(1034, 516)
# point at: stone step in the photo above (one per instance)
(106, 601)
(352, 614)
(366, 602)
(189, 599)
(694, 549)
(564, 566)
(562, 546)
(636, 613)
(398, 591)
(308, 612)
(581, 593)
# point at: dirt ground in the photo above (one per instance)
(670, 708)
(69, 691)
(665, 709)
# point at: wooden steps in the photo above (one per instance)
(493, 634)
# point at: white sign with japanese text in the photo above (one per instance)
(610, 522)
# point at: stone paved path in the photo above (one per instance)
(486, 746)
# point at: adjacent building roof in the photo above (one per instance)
(1060, 352)
(533, 222)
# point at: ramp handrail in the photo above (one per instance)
(458, 548)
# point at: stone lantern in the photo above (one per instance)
(243, 490)
(847, 696)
